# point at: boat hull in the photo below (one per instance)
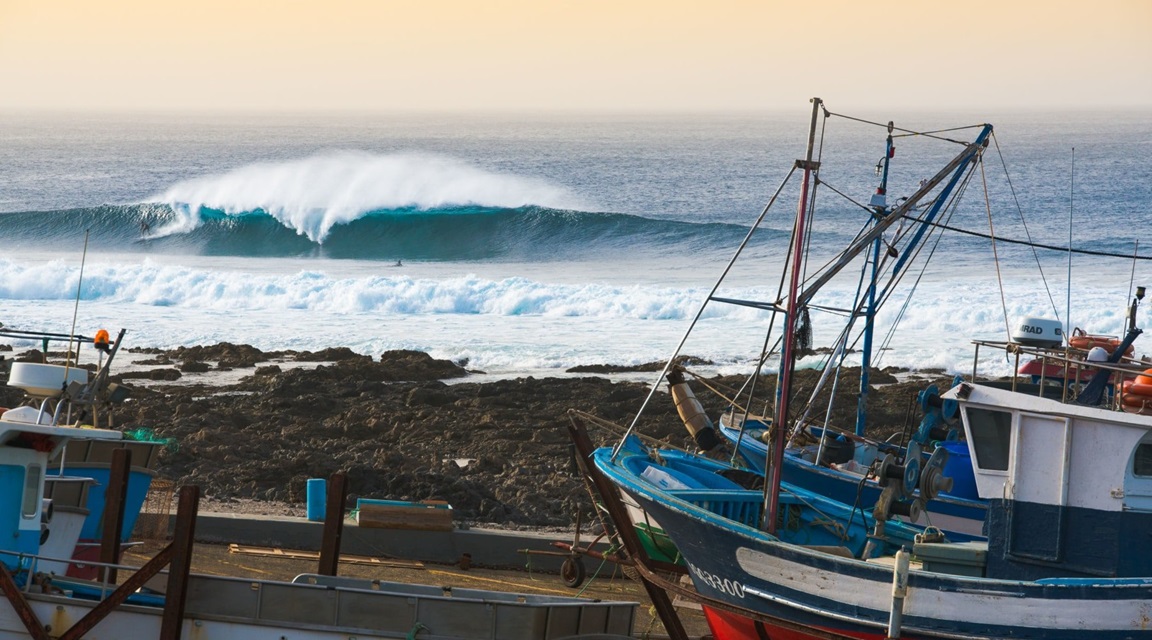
(753, 572)
(333, 608)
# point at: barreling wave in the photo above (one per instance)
(365, 206)
(449, 234)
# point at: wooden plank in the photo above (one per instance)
(271, 552)
(422, 518)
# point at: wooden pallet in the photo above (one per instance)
(271, 552)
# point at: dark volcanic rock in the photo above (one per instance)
(334, 354)
(195, 367)
(497, 450)
(684, 361)
(223, 352)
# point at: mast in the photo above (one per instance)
(787, 354)
(879, 204)
(797, 299)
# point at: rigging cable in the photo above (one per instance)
(910, 132)
(700, 312)
(1038, 245)
(995, 256)
(1027, 233)
(915, 285)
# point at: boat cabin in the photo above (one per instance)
(1069, 486)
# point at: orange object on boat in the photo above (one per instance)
(1136, 394)
(1083, 340)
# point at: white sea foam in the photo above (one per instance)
(502, 324)
(311, 195)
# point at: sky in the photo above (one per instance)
(572, 55)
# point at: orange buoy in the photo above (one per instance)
(1086, 341)
(1136, 395)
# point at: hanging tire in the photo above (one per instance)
(572, 572)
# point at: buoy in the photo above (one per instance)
(692, 412)
(1086, 341)
(1136, 394)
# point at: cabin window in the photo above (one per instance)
(991, 437)
(30, 503)
(1142, 464)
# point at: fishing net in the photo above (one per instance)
(152, 523)
(144, 434)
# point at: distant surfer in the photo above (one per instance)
(144, 228)
(398, 264)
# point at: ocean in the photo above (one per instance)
(525, 244)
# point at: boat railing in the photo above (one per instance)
(743, 506)
(42, 579)
(1075, 371)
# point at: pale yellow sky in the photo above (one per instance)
(573, 54)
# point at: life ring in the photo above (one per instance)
(1085, 341)
(1145, 410)
(1137, 389)
(1136, 394)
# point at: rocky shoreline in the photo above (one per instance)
(496, 450)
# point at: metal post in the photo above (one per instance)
(899, 592)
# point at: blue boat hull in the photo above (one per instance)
(753, 571)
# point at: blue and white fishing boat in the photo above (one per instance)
(1066, 484)
(1068, 488)
(35, 550)
(69, 394)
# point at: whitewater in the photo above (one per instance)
(527, 245)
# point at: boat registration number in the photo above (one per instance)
(723, 585)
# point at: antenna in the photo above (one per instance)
(1139, 290)
(76, 308)
(1068, 293)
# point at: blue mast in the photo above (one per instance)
(880, 204)
(883, 214)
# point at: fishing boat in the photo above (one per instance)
(1063, 559)
(46, 602)
(58, 394)
(1066, 480)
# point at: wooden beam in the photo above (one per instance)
(20, 605)
(117, 597)
(609, 498)
(115, 496)
(176, 594)
(333, 524)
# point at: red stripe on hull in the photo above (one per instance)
(733, 626)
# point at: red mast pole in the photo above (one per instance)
(787, 354)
